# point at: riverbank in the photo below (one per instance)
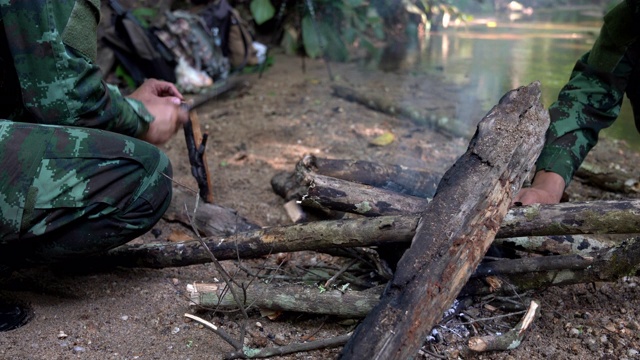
(254, 134)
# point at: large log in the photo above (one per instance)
(456, 229)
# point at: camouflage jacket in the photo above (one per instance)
(48, 73)
(592, 98)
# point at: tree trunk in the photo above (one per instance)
(456, 229)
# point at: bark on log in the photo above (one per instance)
(384, 105)
(456, 229)
(591, 217)
(211, 219)
(324, 192)
(256, 243)
(557, 244)
(605, 265)
(297, 298)
(323, 235)
(396, 178)
(513, 276)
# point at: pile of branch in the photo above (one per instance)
(449, 220)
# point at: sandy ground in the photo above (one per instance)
(256, 133)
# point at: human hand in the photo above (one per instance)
(162, 99)
(547, 188)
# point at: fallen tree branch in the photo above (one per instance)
(557, 244)
(326, 235)
(562, 219)
(395, 178)
(281, 297)
(384, 105)
(252, 244)
(250, 353)
(509, 340)
(223, 334)
(591, 217)
(510, 276)
(324, 192)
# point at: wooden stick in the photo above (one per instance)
(249, 353)
(199, 137)
(509, 340)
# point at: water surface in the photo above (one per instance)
(492, 56)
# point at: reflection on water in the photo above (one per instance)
(489, 61)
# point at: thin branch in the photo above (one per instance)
(248, 353)
(223, 334)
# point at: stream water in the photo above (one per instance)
(489, 57)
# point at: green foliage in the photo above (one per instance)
(336, 25)
(312, 41)
(145, 15)
(124, 75)
(262, 10)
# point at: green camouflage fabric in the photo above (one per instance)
(592, 98)
(69, 187)
(48, 52)
(76, 191)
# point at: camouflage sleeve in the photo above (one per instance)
(53, 46)
(592, 98)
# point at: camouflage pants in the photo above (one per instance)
(69, 191)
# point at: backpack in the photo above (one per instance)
(193, 44)
(236, 39)
(137, 48)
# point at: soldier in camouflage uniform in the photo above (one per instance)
(80, 172)
(589, 102)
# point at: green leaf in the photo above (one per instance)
(124, 75)
(144, 15)
(349, 34)
(262, 10)
(336, 49)
(311, 40)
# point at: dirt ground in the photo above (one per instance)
(255, 133)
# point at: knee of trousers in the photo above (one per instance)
(151, 199)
